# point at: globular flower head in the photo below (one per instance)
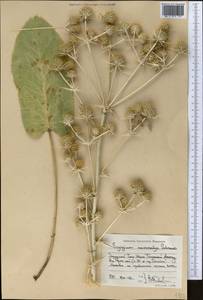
(69, 47)
(147, 195)
(142, 38)
(137, 186)
(137, 108)
(74, 20)
(121, 198)
(86, 112)
(70, 146)
(165, 27)
(161, 35)
(134, 110)
(104, 40)
(130, 113)
(110, 127)
(148, 110)
(57, 65)
(110, 18)
(98, 216)
(139, 189)
(123, 27)
(75, 29)
(95, 130)
(117, 60)
(72, 74)
(91, 33)
(87, 191)
(79, 163)
(68, 119)
(139, 114)
(181, 47)
(69, 65)
(86, 14)
(135, 29)
(110, 29)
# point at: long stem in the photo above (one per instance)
(112, 79)
(132, 46)
(91, 166)
(68, 84)
(120, 213)
(76, 134)
(131, 76)
(115, 153)
(120, 146)
(94, 64)
(53, 232)
(109, 226)
(95, 200)
(86, 74)
(98, 159)
(146, 82)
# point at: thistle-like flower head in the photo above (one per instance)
(117, 60)
(68, 119)
(121, 198)
(74, 20)
(110, 18)
(86, 14)
(135, 29)
(69, 47)
(87, 191)
(104, 40)
(139, 189)
(148, 110)
(181, 47)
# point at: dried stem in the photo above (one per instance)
(66, 81)
(86, 74)
(95, 200)
(132, 46)
(91, 166)
(146, 82)
(120, 213)
(53, 232)
(131, 76)
(94, 64)
(120, 146)
(112, 79)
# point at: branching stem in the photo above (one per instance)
(120, 213)
(132, 46)
(86, 74)
(119, 147)
(146, 82)
(94, 64)
(131, 76)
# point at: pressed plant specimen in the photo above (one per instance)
(96, 121)
(83, 133)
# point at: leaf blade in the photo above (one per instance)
(42, 100)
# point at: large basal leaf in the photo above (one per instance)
(43, 100)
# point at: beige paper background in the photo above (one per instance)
(159, 157)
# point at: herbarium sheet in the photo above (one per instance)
(94, 151)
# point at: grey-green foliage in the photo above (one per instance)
(43, 102)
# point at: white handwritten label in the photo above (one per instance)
(141, 261)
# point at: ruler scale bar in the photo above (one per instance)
(195, 141)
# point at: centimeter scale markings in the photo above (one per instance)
(195, 141)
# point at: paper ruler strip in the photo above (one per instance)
(195, 141)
